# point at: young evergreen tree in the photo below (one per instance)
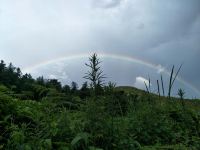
(2, 66)
(95, 74)
(181, 93)
(74, 87)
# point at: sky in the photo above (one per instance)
(34, 34)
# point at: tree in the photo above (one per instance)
(40, 80)
(18, 73)
(2, 71)
(95, 74)
(74, 87)
(2, 66)
(66, 89)
(181, 93)
(84, 91)
(54, 83)
(11, 68)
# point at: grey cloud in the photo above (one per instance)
(106, 3)
(161, 24)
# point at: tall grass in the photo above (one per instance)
(163, 89)
(172, 79)
(158, 88)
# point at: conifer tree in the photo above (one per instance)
(95, 74)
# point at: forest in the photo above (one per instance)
(43, 114)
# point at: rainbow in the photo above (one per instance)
(112, 56)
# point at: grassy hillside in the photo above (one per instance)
(193, 103)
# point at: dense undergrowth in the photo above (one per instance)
(114, 121)
(42, 115)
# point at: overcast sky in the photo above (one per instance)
(163, 32)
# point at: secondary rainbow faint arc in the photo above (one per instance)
(111, 56)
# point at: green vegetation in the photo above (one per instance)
(41, 114)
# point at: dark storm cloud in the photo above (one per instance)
(142, 27)
(164, 32)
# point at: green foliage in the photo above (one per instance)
(81, 141)
(66, 90)
(39, 91)
(54, 83)
(3, 89)
(84, 91)
(116, 103)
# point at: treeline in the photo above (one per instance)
(26, 87)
